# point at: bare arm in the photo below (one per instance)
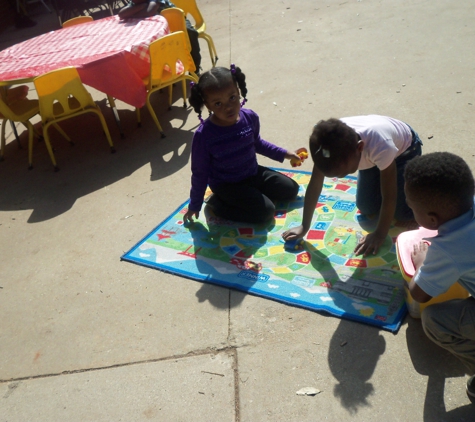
(314, 190)
(418, 256)
(373, 241)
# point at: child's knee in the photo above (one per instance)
(432, 323)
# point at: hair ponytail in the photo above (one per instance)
(196, 99)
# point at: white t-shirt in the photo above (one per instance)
(384, 139)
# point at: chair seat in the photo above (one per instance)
(167, 75)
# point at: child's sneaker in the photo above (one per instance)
(471, 388)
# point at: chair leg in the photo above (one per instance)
(12, 123)
(105, 128)
(2, 146)
(212, 49)
(31, 134)
(154, 117)
(116, 115)
(183, 86)
(63, 133)
(48, 146)
(139, 118)
(170, 96)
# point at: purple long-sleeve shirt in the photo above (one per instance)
(227, 154)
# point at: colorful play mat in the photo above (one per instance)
(322, 274)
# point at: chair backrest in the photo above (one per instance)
(190, 7)
(14, 104)
(5, 111)
(77, 21)
(176, 22)
(60, 93)
(165, 53)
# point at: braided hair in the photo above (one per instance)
(216, 79)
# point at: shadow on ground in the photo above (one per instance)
(437, 364)
(88, 165)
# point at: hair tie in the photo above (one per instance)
(192, 84)
(201, 119)
(244, 101)
(233, 69)
(325, 152)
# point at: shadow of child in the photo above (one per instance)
(218, 266)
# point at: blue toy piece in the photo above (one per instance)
(294, 245)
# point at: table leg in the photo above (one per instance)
(15, 133)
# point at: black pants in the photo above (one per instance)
(195, 45)
(251, 201)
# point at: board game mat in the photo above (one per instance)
(321, 274)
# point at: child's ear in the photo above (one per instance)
(435, 220)
(360, 146)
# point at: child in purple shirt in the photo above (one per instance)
(224, 150)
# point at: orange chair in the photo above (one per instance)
(62, 96)
(77, 21)
(190, 7)
(170, 62)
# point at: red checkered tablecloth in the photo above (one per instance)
(111, 55)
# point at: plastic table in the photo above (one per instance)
(110, 55)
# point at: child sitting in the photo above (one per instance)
(379, 147)
(139, 9)
(439, 189)
(224, 150)
(146, 8)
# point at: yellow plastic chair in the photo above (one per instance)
(18, 110)
(176, 22)
(190, 7)
(77, 21)
(165, 54)
(62, 96)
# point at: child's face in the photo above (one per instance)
(224, 104)
(348, 167)
(422, 213)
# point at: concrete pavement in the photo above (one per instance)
(86, 337)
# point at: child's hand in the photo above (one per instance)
(370, 244)
(188, 217)
(419, 253)
(298, 157)
(294, 233)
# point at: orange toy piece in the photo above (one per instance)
(303, 154)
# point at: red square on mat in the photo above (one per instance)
(342, 187)
(316, 234)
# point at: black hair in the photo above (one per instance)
(441, 180)
(332, 143)
(215, 79)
